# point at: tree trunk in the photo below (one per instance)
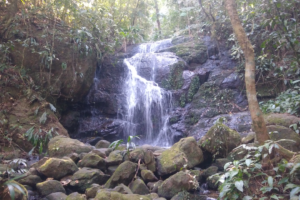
(157, 18)
(256, 114)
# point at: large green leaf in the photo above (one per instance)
(239, 185)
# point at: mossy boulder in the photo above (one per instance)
(85, 177)
(102, 144)
(92, 160)
(76, 196)
(209, 172)
(30, 180)
(153, 186)
(240, 152)
(213, 182)
(188, 196)
(249, 138)
(281, 119)
(121, 188)
(111, 195)
(185, 152)
(115, 158)
(148, 176)
(181, 181)
(19, 195)
(92, 191)
(99, 152)
(220, 140)
(278, 132)
(58, 168)
(61, 146)
(138, 187)
(47, 187)
(56, 196)
(123, 174)
(220, 163)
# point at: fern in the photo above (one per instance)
(43, 118)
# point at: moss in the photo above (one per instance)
(194, 86)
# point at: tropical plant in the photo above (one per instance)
(129, 144)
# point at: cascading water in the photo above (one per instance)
(147, 105)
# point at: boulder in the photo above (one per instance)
(102, 144)
(92, 191)
(220, 163)
(57, 168)
(105, 195)
(111, 169)
(209, 172)
(56, 196)
(85, 177)
(148, 176)
(249, 138)
(76, 196)
(153, 186)
(114, 158)
(278, 132)
(30, 180)
(138, 187)
(189, 196)
(92, 160)
(47, 187)
(240, 152)
(185, 152)
(213, 182)
(123, 174)
(121, 188)
(281, 119)
(181, 181)
(220, 140)
(61, 146)
(99, 152)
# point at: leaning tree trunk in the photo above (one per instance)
(157, 18)
(256, 114)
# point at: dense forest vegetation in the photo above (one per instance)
(49, 50)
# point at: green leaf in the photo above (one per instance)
(247, 198)
(248, 162)
(11, 191)
(284, 180)
(296, 166)
(294, 191)
(274, 196)
(290, 186)
(227, 165)
(239, 185)
(270, 181)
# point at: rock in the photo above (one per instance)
(114, 158)
(75, 157)
(19, 195)
(92, 160)
(105, 195)
(138, 187)
(220, 163)
(56, 196)
(85, 177)
(61, 146)
(153, 186)
(76, 196)
(220, 140)
(123, 189)
(148, 176)
(184, 152)
(240, 152)
(47, 187)
(30, 180)
(92, 191)
(102, 144)
(185, 195)
(99, 152)
(213, 182)
(278, 132)
(111, 169)
(209, 171)
(57, 168)
(249, 138)
(281, 119)
(123, 174)
(176, 183)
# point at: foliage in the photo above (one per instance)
(241, 176)
(129, 144)
(12, 185)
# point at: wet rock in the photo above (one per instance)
(176, 183)
(76, 196)
(219, 140)
(61, 146)
(92, 160)
(57, 168)
(30, 180)
(102, 144)
(148, 176)
(123, 174)
(47, 187)
(56, 196)
(185, 152)
(232, 81)
(85, 177)
(138, 187)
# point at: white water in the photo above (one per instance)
(147, 105)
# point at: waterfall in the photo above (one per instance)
(147, 105)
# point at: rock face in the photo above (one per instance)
(123, 174)
(57, 168)
(185, 152)
(220, 140)
(85, 177)
(177, 183)
(61, 146)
